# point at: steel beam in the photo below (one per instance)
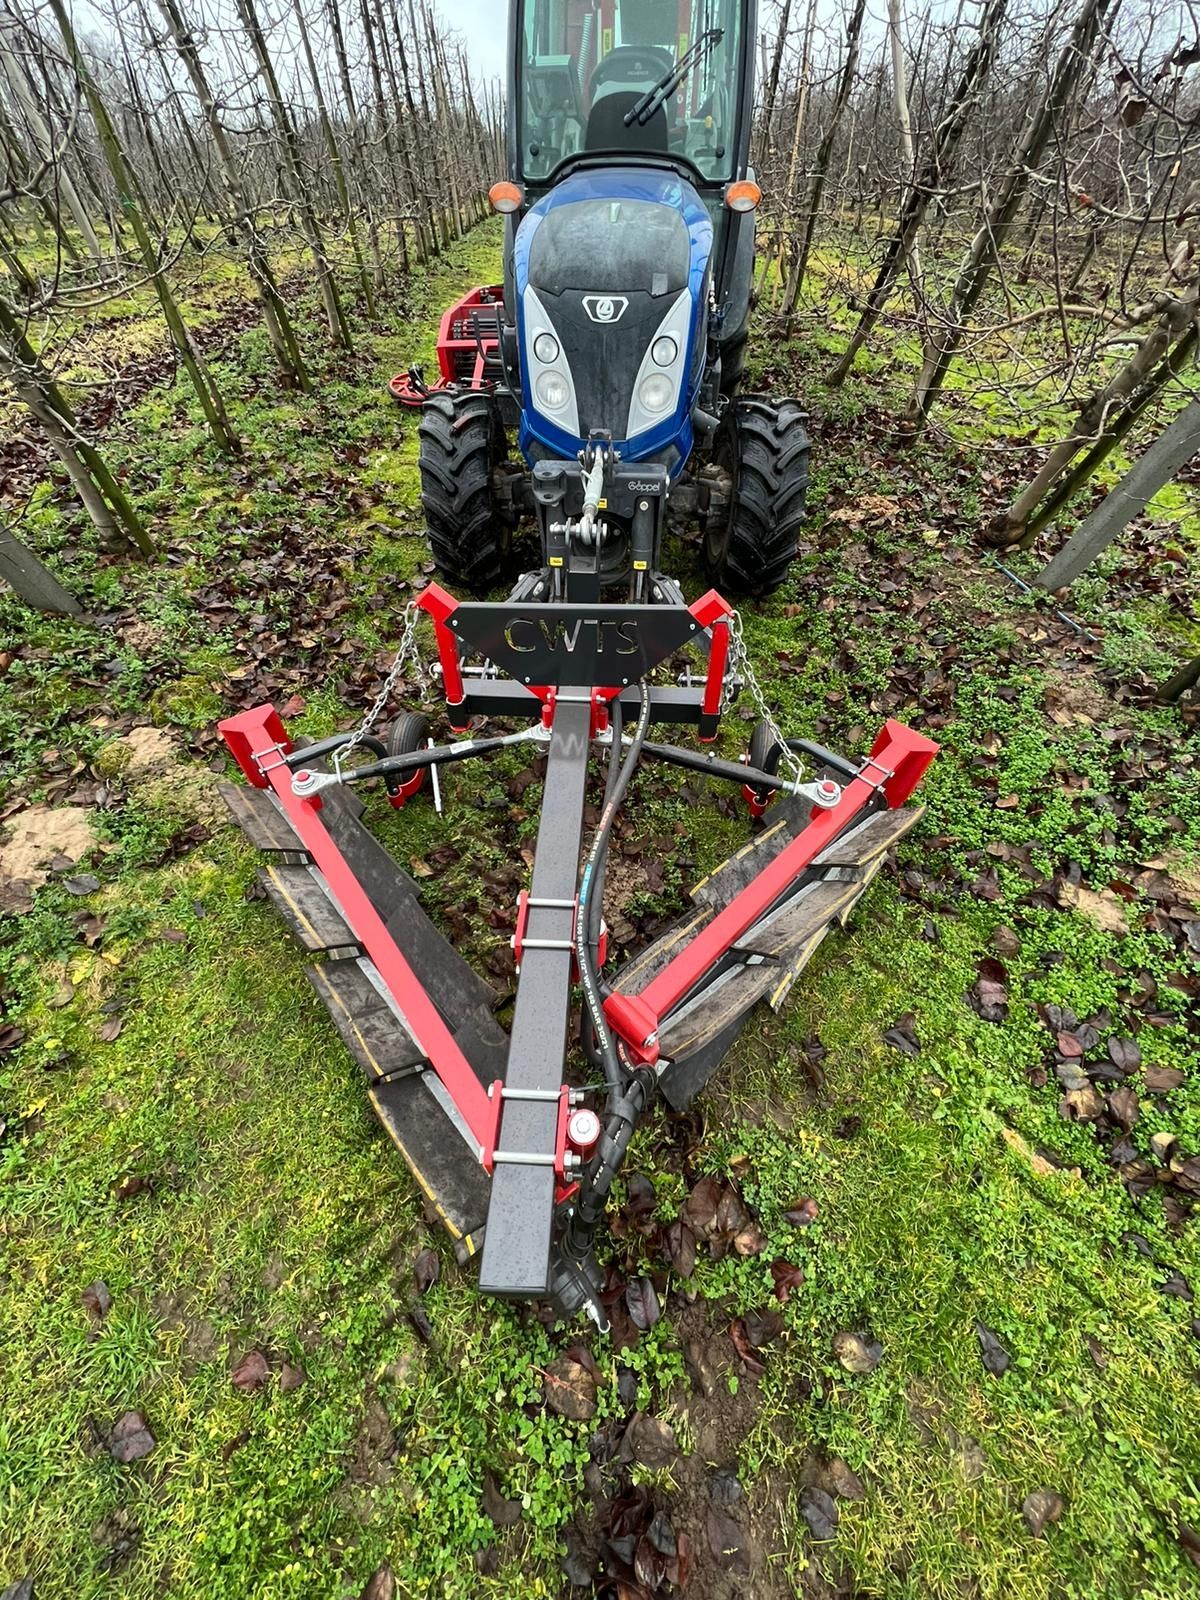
(516, 1248)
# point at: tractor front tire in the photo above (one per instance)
(762, 447)
(461, 443)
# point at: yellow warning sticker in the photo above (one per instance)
(556, 561)
(603, 505)
(607, 41)
(640, 566)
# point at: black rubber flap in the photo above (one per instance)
(451, 983)
(447, 1171)
(378, 1041)
(731, 877)
(723, 1004)
(310, 914)
(260, 819)
(865, 844)
(786, 934)
(644, 966)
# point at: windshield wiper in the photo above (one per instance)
(666, 86)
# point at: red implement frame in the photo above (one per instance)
(898, 760)
(258, 742)
(463, 356)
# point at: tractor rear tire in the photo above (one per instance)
(763, 447)
(461, 443)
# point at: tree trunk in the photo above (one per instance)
(209, 396)
(912, 215)
(801, 114)
(1175, 688)
(989, 241)
(1177, 314)
(772, 91)
(44, 140)
(1173, 449)
(1114, 432)
(32, 581)
(280, 331)
(335, 159)
(824, 154)
(102, 496)
(351, 103)
(339, 326)
(908, 149)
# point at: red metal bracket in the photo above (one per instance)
(898, 761)
(565, 1186)
(522, 927)
(713, 611)
(439, 605)
(408, 788)
(709, 607)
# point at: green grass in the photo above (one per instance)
(273, 1215)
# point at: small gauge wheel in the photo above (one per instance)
(765, 754)
(408, 733)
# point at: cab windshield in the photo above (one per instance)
(651, 77)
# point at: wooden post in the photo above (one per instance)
(1175, 689)
(1173, 448)
(30, 579)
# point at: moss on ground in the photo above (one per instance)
(183, 1124)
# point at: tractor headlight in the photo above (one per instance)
(657, 393)
(553, 391)
(545, 348)
(665, 351)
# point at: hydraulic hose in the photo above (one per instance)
(589, 982)
(596, 889)
(627, 1098)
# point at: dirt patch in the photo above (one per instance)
(1076, 697)
(42, 838)
(141, 753)
(735, 1532)
(376, 1446)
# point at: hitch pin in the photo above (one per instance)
(306, 783)
(825, 793)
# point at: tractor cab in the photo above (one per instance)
(631, 78)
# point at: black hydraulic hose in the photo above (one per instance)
(624, 1112)
(596, 894)
(588, 979)
(626, 1100)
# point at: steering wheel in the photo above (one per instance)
(631, 63)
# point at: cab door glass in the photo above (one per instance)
(591, 71)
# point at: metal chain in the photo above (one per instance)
(407, 655)
(740, 676)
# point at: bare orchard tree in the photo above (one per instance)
(175, 132)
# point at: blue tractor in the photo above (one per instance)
(615, 347)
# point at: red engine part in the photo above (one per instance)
(468, 348)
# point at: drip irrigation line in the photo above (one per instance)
(1026, 588)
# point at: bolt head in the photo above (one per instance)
(583, 1128)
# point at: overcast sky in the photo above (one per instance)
(484, 25)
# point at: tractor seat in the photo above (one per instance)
(606, 128)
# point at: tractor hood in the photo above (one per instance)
(612, 273)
